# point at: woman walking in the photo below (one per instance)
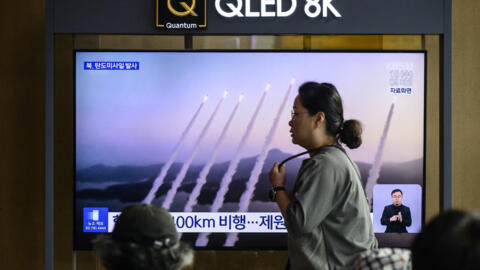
(326, 213)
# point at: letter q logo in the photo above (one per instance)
(188, 9)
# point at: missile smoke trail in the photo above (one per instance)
(257, 169)
(232, 169)
(375, 169)
(159, 179)
(202, 178)
(178, 180)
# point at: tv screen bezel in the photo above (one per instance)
(385, 239)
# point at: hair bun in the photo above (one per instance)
(351, 133)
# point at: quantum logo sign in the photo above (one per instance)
(181, 14)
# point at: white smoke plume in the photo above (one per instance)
(163, 172)
(374, 172)
(257, 169)
(178, 180)
(232, 169)
(202, 178)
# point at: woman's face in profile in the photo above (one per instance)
(301, 124)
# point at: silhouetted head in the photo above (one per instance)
(450, 241)
(144, 238)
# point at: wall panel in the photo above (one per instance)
(64, 128)
(22, 77)
(465, 104)
(432, 127)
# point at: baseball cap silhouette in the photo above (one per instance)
(146, 224)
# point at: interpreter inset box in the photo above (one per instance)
(400, 212)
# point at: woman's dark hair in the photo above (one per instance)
(324, 97)
(449, 241)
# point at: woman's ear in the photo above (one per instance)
(319, 119)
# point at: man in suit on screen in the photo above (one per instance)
(396, 216)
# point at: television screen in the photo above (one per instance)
(197, 132)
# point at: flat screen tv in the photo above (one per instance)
(197, 132)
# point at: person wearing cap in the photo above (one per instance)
(144, 238)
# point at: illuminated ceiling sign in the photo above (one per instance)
(275, 8)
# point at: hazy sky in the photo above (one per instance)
(136, 117)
